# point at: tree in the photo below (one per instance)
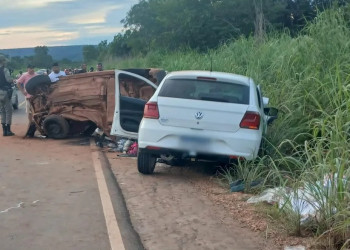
(90, 53)
(102, 49)
(197, 24)
(41, 57)
(16, 62)
(119, 46)
(205, 24)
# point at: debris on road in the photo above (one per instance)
(120, 145)
(127, 145)
(133, 149)
(301, 201)
(240, 185)
(270, 196)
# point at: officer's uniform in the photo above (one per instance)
(5, 103)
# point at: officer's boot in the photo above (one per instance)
(4, 129)
(9, 132)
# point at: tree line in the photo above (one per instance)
(41, 59)
(204, 24)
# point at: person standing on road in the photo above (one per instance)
(21, 84)
(56, 73)
(5, 97)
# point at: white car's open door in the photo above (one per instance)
(131, 94)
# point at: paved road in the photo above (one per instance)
(50, 197)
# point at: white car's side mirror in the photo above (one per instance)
(265, 101)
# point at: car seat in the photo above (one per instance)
(122, 90)
(146, 92)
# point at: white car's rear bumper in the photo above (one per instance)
(243, 143)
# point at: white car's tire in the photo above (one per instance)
(146, 162)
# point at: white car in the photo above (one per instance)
(200, 115)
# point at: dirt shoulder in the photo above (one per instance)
(169, 211)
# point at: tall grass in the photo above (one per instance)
(308, 79)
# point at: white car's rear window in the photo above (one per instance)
(206, 90)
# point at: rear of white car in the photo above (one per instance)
(203, 115)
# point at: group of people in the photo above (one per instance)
(6, 82)
(83, 69)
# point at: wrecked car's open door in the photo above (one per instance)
(131, 94)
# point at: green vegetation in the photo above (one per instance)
(308, 78)
(206, 24)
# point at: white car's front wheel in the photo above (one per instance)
(146, 162)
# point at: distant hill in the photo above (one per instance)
(73, 53)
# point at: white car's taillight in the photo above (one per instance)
(251, 120)
(151, 111)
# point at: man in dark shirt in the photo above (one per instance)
(82, 70)
(5, 97)
(99, 67)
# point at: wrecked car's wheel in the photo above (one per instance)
(145, 163)
(56, 127)
(36, 83)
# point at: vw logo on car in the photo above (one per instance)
(199, 115)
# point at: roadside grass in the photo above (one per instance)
(308, 78)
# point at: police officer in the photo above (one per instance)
(5, 97)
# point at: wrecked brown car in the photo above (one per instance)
(83, 102)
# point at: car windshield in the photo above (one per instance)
(206, 90)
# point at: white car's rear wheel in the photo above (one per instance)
(145, 162)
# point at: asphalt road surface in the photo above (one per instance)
(58, 194)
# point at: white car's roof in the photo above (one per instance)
(218, 75)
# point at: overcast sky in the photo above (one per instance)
(30, 23)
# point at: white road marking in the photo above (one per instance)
(114, 235)
(22, 103)
(18, 206)
(41, 163)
